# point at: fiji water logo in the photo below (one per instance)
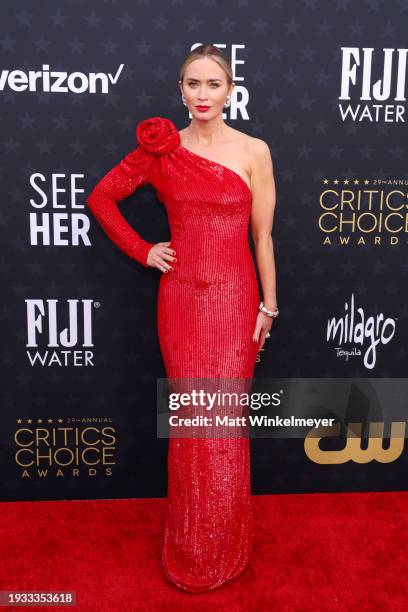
(358, 329)
(60, 332)
(376, 80)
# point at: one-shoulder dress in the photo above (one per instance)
(206, 313)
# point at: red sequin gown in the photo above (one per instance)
(207, 309)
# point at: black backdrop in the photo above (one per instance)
(291, 59)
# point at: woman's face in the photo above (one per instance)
(205, 84)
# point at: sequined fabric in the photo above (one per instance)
(207, 308)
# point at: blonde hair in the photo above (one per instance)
(208, 50)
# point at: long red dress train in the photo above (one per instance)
(207, 309)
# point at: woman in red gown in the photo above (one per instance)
(209, 323)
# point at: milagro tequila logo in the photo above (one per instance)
(354, 327)
(60, 333)
(58, 81)
(359, 72)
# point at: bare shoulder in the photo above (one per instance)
(254, 147)
(259, 150)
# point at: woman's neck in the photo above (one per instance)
(205, 133)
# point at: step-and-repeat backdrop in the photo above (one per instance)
(324, 84)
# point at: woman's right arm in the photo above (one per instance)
(119, 183)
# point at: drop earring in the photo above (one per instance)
(227, 102)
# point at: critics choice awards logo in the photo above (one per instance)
(361, 211)
(55, 447)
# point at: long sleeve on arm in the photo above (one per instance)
(119, 183)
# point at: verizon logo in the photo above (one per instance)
(56, 81)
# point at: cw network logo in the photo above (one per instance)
(58, 81)
(352, 449)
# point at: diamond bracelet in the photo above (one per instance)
(268, 313)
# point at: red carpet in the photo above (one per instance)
(312, 552)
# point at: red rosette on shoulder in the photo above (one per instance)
(157, 135)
